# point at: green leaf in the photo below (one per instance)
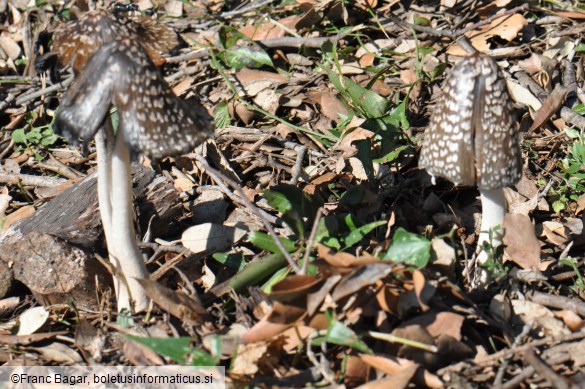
(580, 48)
(391, 156)
(364, 150)
(358, 234)
(341, 335)
(409, 248)
(234, 261)
(558, 206)
(571, 132)
(371, 104)
(580, 109)
(221, 115)
(297, 208)
(265, 242)
(178, 349)
(239, 57)
(18, 136)
(421, 21)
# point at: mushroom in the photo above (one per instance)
(473, 140)
(152, 122)
(76, 41)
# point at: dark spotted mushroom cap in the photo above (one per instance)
(472, 139)
(154, 121)
(77, 40)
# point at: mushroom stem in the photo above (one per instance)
(122, 246)
(493, 203)
(104, 150)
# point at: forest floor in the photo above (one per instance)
(320, 108)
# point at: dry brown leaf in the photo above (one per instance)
(293, 286)
(573, 321)
(550, 106)
(356, 370)
(270, 30)
(276, 321)
(268, 100)
(580, 204)
(59, 353)
(390, 365)
(418, 279)
(360, 278)
(387, 299)
(296, 336)
(521, 243)
(211, 237)
(17, 215)
(247, 358)
(314, 300)
(507, 27)
(249, 77)
(25, 340)
(555, 232)
(447, 323)
(346, 146)
(532, 313)
(177, 304)
(31, 320)
(140, 355)
(341, 259)
(174, 8)
(89, 339)
(532, 64)
(183, 86)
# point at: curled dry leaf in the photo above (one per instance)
(556, 232)
(293, 287)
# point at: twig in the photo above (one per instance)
(218, 177)
(297, 169)
(53, 88)
(243, 10)
(555, 380)
(559, 302)
(30, 180)
(311, 241)
(457, 35)
(168, 265)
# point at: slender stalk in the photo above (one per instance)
(493, 203)
(122, 246)
(104, 147)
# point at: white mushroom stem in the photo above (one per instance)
(115, 202)
(493, 203)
